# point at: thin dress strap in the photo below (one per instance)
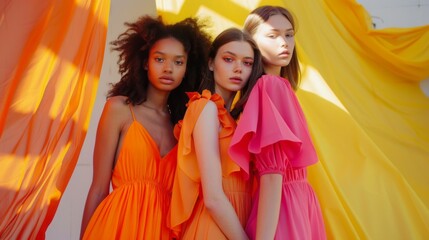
(132, 112)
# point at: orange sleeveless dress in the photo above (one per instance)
(142, 180)
(188, 217)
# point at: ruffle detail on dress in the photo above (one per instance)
(272, 114)
(195, 105)
(187, 183)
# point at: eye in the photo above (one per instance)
(158, 59)
(179, 62)
(227, 59)
(290, 35)
(248, 63)
(271, 36)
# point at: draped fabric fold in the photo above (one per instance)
(360, 93)
(403, 52)
(366, 112)
(368, 118)
(51, 53)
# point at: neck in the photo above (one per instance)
(228, 103)
(227, 97)
(155, 107)
(272, 70)
(156, 100)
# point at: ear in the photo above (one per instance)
(211, 65)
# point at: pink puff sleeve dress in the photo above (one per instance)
(272, 133)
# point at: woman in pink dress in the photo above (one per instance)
(272, 134)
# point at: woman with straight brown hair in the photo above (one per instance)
(211, 199)
(272, 134)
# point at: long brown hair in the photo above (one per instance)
(231, 35)
(260, 15)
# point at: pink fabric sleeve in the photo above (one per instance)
(272, 114)
(271, 159)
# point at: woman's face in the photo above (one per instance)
(166, 64)
(276, 41)
(232, 66)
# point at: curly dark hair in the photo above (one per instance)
(134, 46)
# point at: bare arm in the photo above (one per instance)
(206, 140)
(108, 133)
(269, 205)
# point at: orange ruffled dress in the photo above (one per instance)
(189, 217)
(272, 132)
(142, 180)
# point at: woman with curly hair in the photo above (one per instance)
(135, 149)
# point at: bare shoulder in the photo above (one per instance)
(209, 115)
(211, 105)
(116, 107)
(116, 104)
(210, 108)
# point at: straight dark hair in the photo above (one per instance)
(231, 35)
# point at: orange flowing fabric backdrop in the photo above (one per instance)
(51, 53)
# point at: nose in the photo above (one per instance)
(238, 67)
(168, 67)
(283, 41)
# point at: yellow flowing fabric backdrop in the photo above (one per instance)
(51, 53)
(368, 117)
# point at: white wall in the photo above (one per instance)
(399, 13)
(66, 224)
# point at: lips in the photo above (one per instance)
(236, 79)
(166, 79)
(284, 53)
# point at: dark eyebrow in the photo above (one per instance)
(162, 53)
(230, 53)
(159, 52)
(236, 55)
